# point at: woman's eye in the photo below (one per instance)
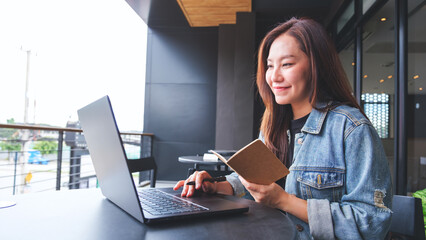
(287, 64)
(268, 66)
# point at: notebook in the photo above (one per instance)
(116, 182)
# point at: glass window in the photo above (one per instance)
(348, 61)
(366, 4)
(378, 67)
(416, 99)
(346, 16)
(376, 107)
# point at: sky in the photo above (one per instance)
(79, 51)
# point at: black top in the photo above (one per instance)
(295, 127)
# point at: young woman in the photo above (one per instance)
(339, 184)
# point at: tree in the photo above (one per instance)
(10, 141)
(8, 133)
(46, 147)
(10, 146)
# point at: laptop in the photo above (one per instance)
(116, 182)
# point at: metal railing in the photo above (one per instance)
(30, 163)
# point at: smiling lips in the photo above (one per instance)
(279, 88)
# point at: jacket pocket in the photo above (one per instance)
(321, 183)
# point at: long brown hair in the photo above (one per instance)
(328, 81)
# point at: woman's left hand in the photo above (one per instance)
(271, 195)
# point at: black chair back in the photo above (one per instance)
(407, 218)
(144, 164)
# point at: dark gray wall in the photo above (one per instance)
(244, 78)
(225, 88)
(180, 101)
(235, 83)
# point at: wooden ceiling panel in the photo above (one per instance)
(215, 3)
(215, 10)
(209, 13)
(212, 20)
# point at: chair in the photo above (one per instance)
(144, 164)
(407, 218)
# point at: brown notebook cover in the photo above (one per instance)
(256, 163)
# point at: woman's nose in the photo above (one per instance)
(276, 75)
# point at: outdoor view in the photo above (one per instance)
(56, 57)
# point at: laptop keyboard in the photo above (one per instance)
(157, 202)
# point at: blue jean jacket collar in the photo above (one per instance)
(316, 119)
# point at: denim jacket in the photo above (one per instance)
(341, 169)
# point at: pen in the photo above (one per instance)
(215, 179)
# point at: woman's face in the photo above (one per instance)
(288, 72)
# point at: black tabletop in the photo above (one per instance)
(86, 214)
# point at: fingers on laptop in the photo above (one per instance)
(190, 190)
(182, 183)
(179, 185)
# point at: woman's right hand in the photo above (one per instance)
(197, 177)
